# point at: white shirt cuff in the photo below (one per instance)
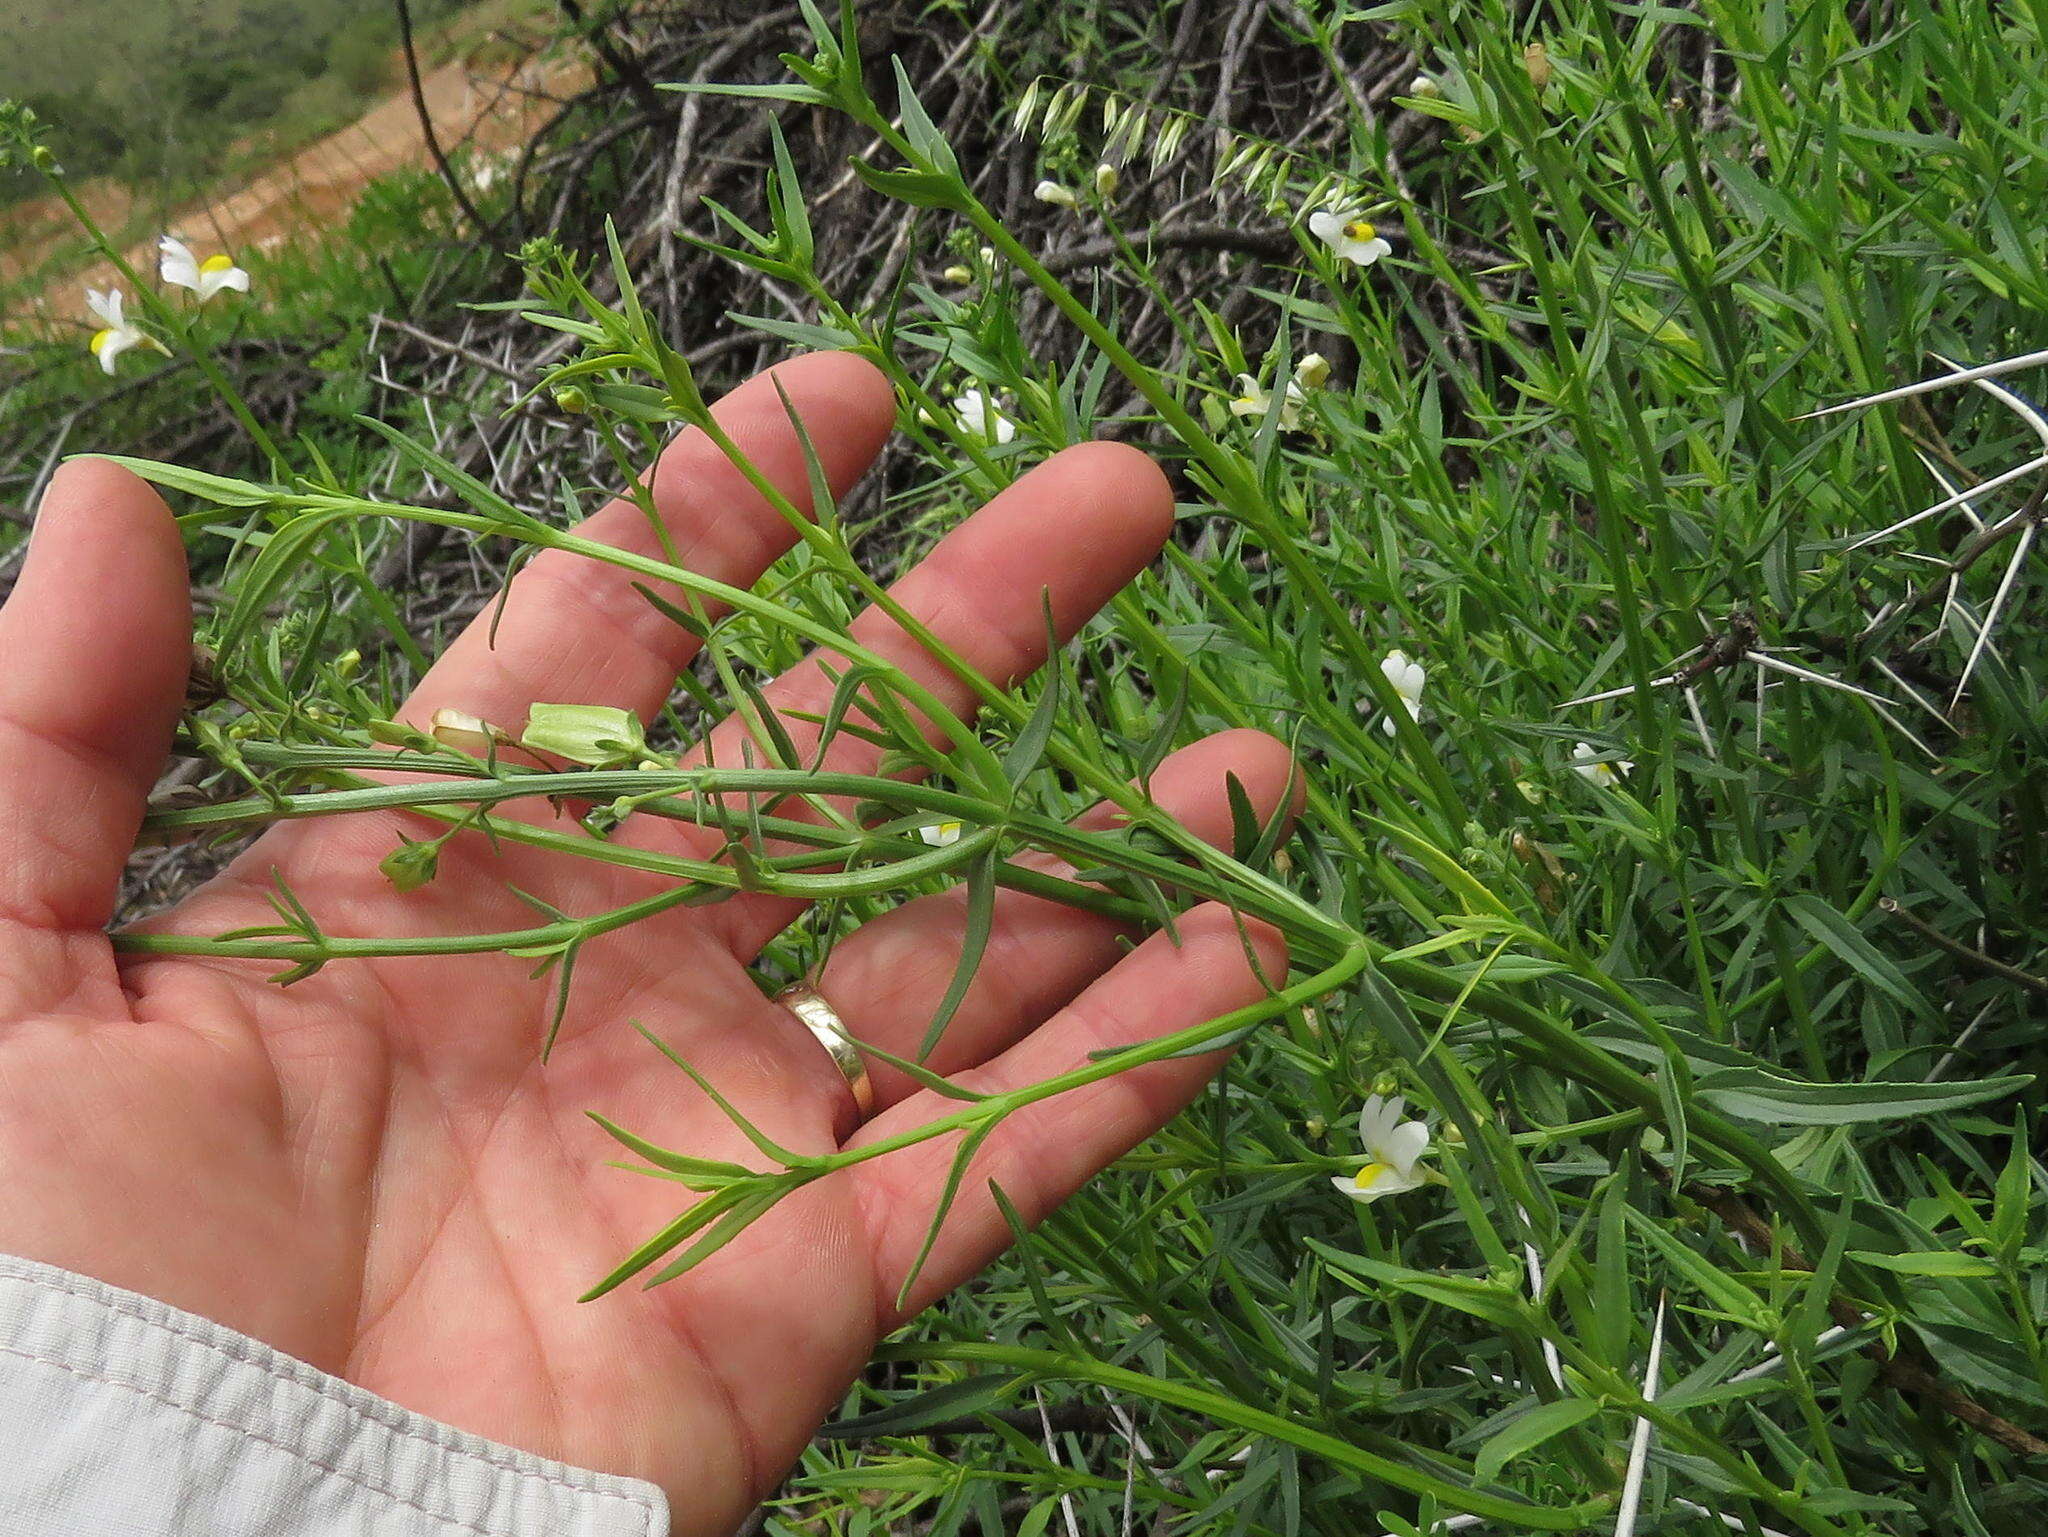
(123, 1417)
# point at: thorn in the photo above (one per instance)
(2019, 405)
(1699, 721)
(1877, 701)
(2001, 478)
(1630, 688)
(1733, 1523)
(1776, 1359)
(1911, 692)
(2012, 571)
(1639, 1444)
(1925, 386)
(1940, 478)
(1535, 1262)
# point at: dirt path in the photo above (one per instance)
(487, 110)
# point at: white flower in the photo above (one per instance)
(1407, 679)
(182, 269)
(1253, 399)
(1393, 1146)
(940, 834)
(958, 274)
(1347, 232)
(1312, 372)
(1424, 87)
(1052, 192)
(116, 333)
(1587, 765)
(1106, 179)
(980, 417)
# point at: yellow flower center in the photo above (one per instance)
(218, 262)
(1369, 1176)
(98, 341)
(1358, 229)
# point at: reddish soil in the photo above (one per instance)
(489, 111)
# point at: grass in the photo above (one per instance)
(1747, 1041)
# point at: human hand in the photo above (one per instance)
(374, 1171)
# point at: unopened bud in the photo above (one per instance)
(1424, 87)
(393, 733)
(597, 735)
(1106, 179)
(1536, 60)
(466, 733)
(1312, 372)
(571, 401)
(1052, 192)
(411, 865)
(961, 275)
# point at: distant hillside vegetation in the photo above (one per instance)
(172, 90)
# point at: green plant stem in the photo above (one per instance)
(1054, 1366)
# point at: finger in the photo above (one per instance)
(887, 979)
(572, 630)
(97, 641)
(1071, 533)
(1046, 1151)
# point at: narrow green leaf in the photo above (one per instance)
(1244, 819)
(266, 577)
(1834, 931)
(1497, 1304)
(1940, 1262)
(956, 1174)
(463, 484)
(908, 1416)
(220, 490)
(981, 911)
(1528, 1431)
(1160, 742)
(1780, 1101)
(1031, 742)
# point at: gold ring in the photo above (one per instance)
(823, 1021)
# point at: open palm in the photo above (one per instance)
(374, 1171)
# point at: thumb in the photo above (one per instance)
(95, 648)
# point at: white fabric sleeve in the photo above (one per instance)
(123, 1417)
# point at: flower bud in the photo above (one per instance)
(571, 401)
(1312, 372)
(411, 865)
(1052, 192)
(1425, 88)
(961, 275)
(466, 733)
(1106, 179)
(1536, 60)
(393, 733)
(598, 735)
